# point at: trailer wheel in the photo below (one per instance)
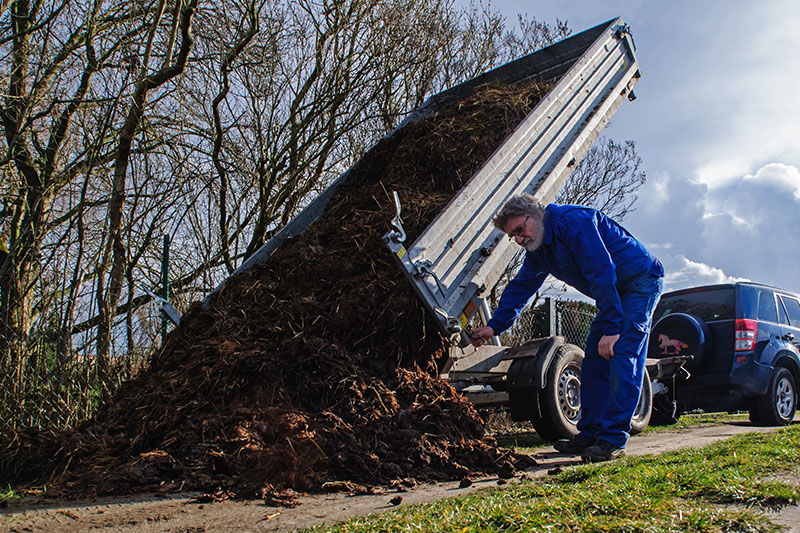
(641, 416)
(561, 397)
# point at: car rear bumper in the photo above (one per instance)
(751, 378)
(725, 390)
(745, 380)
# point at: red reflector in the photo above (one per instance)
(469, 309)
(741, 359)
(746, 334)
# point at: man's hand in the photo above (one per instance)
(606, 346)
(481, 335)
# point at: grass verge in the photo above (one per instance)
(687, 490)
(7, 495)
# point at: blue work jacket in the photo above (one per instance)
(587, 250)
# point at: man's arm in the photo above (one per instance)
(516, 294)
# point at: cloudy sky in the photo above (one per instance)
(717, 123)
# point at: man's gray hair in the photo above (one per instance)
(522, 205)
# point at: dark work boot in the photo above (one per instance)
(574, 446)
(601, 451)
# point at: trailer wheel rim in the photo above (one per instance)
(784, 397)
(569, 394)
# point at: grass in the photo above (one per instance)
(701, 419)
(722, 487)
(8, 495)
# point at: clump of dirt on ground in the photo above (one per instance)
(314, 371)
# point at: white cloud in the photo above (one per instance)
(682, 272)
(719, 172)
(752, 232)
(659, 190)
(778, 174)
(743, 229)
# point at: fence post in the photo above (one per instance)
(550, 312)
(165, 283)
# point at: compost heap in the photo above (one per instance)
(316, 370)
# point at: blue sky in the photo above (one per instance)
(717, 124)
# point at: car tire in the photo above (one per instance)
(560, 399)
(644, 409)
(778, 406)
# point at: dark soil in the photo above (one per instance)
(315, 371)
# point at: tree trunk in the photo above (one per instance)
(114, 261)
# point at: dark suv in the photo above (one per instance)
(743, 339)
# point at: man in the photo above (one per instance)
(592, 253)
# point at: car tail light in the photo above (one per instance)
(746, 333)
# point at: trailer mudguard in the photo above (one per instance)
(531, 361)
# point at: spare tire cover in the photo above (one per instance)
(680, 334)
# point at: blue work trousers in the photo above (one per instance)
(610, 389)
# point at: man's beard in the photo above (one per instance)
(536, 241)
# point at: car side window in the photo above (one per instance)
(792, 308)
(784, 318)
(767, 310)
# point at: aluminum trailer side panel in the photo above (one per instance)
(461, 254)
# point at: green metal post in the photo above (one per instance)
(165, 283)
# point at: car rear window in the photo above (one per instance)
(706, 304)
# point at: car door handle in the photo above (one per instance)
(788, 337)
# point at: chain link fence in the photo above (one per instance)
(47, 385)
(554, 317)
(44, 394)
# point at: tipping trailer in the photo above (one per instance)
(460, 256)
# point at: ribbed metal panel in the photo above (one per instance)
(462, 253)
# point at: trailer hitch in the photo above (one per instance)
(453, 326)
(423, 267)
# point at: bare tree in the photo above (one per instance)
(607, 179)
(50, 57)
(114, 259)
(211, 123)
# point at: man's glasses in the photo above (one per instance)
(518, 230)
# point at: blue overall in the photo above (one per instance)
(589, 251)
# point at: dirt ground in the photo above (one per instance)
(182, 513)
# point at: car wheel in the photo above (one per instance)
(561, 397)
(641, 417)
(778, 406)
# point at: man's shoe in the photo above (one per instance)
(574, 446)
(601, 451)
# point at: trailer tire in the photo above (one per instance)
(644, 409)
(561, 398)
